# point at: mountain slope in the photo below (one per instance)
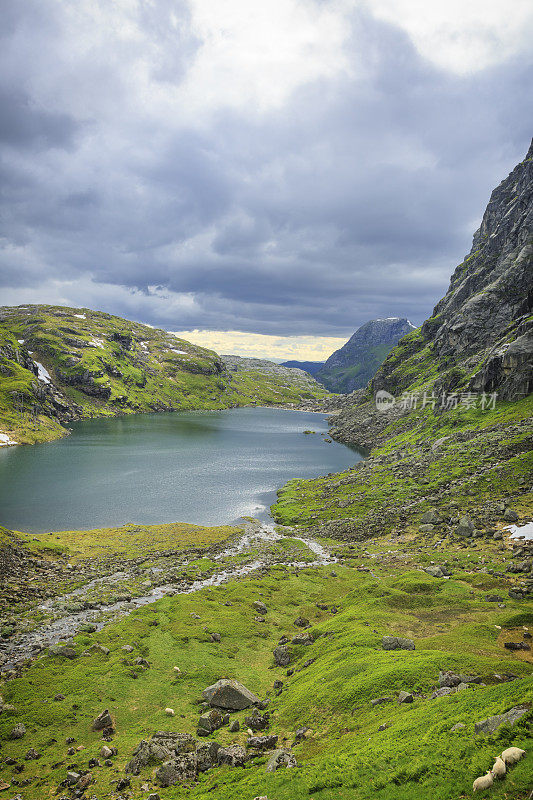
(59, 364)
(246, 373)
(311, 367)
(457, 435)
(352, 366)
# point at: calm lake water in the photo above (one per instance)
(203, 467)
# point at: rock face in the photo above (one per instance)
(483, 324)
(491, 724)
(354, 364)
(229, 694)
(480, 335)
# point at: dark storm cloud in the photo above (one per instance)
(355, 199)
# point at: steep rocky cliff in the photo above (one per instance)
(480, 335)
(352, 366)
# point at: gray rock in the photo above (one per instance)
(378, 701)
(206, 755)
(405, 697)
(103, 720)
(18, 732)
(448, 678)
(181, 769)
(280, 758)
(234, 755)
(258, 722)
(235, 726)
(302, 639)
(491, 724)
(301, 622)
(161, 747)
(229, 694)
(209, 722)
(459, 726)
(442, 692)
(262, 742)
(430, 518)
(259, 606)
(465, 527)
(426, 528)
(397, 643)
(282, 656)
(434, 571)
(510, 516)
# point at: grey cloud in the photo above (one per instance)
(355, 200)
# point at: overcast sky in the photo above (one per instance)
(290, 168)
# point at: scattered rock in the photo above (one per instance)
(491, 724)
(18, 732)
(259, 606)
(405, 697)
(262, 742)
(209, 722)
(510, 516)
(234, 755)
(459, 726)
(397, 643)
(280, 758)
(282, 656)
(229, 694)
(103, 720)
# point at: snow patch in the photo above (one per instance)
(180, 352)
(43, 374)
(20, 341)
(96, 342)
(80, 316)
(6, 440)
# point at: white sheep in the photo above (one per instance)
(498, 770)
(484, 782)
(170, 712)
(512, 755)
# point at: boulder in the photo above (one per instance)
(510, 516)
(162, 746)
(397, 643)
(434, 571)
(491, 724)
(442, 692)
(405, 697)
(282, 656)
(258, 722)
(206, 755)
(18, 732)
(229, 694)
(209, 722)
(280, 758)
(103, 720)
(465, 528)
(448, 678)
(259, 606)
(430, 518)
(301, 622)
(262, 742)
(234, 755)
(181, 769)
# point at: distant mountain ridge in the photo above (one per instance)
(355, 363)
(311, 367)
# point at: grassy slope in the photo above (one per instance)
(480, 460)
(345, 756)
(106, 365)
(340, 379)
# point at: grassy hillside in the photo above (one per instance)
(58, 364)
(351, 750)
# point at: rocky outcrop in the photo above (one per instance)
(480, 334)
(292, 377)
(354, 364)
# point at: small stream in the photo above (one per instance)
(30, 644)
